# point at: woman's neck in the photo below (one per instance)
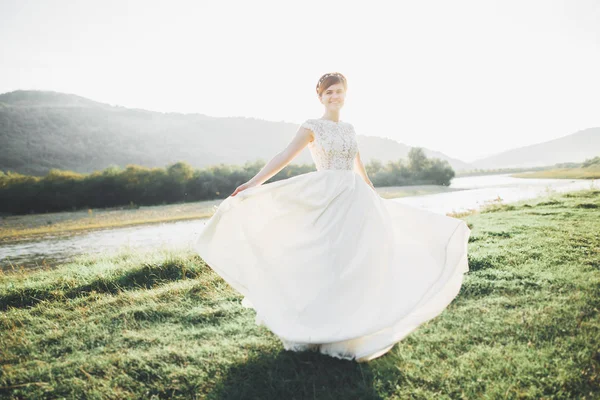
(332, 116)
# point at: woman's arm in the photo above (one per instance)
(360, 169)
(277, 163)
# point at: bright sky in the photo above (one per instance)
(469, 78)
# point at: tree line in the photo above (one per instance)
(63, 190)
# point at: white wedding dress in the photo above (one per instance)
(327, 264)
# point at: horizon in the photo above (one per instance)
(469, 80)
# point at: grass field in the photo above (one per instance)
(525, 325)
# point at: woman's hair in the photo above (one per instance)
(331, 79)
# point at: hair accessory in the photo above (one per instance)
(327, 76)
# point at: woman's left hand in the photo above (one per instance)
(242, 187)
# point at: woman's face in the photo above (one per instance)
(333, 97)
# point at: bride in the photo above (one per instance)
(327, 264)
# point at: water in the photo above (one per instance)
(478, 191)
(474, 192)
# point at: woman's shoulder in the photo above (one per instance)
(314, 120)
(311, 122)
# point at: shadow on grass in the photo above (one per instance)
(145, 276)
(486, 261)
(588, 194)
(587, 205)
(290, 375)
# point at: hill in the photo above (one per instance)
(41, 130)
(575, 147)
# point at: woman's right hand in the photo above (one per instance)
(242, 187)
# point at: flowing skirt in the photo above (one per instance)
(329, 265)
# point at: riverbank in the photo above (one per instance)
(592, 172)
(524, 325)
(31, 227)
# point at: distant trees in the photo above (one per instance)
(418, 169)
(114, 186)
(417, 161)
(591, 161)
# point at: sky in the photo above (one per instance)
(469, 78)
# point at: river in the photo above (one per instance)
(471, 193)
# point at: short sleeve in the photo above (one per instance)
(308, 124)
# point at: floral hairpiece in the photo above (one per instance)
(327, 76)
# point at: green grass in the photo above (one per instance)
(525, 325)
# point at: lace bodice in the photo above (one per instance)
(334, 146)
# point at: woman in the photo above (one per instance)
(326, 263)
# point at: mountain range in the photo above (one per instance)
(41, 130)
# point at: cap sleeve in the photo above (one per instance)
(309, 124)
